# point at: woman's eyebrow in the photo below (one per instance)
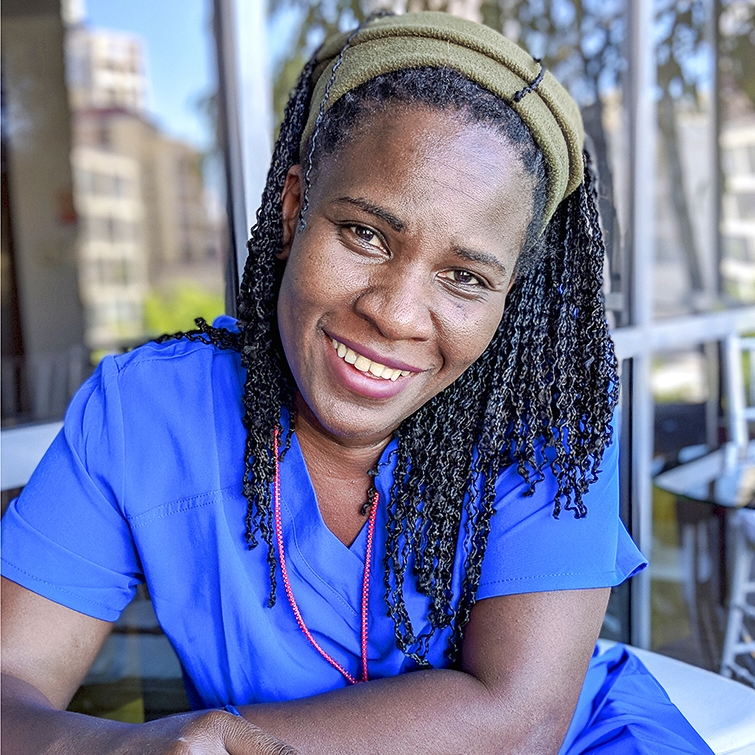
(398, 225)
(481, 257)
(375, 210)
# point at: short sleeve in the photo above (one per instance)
(66, 537)
(529, 550)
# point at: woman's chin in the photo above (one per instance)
(346, 423)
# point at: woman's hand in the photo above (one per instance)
(46, 651)
(31, 725)
(213, 732)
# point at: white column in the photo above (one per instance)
(642, 121)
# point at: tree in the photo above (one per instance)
(737, 48)
(583, 43)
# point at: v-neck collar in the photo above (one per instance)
(316, 553)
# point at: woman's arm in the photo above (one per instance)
(524, 661)
(47, 650)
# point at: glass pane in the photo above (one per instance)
(706, 143)
(44, 359)
(686, 267)
(737, 143)
(114, 227)
(148, 181)
(686, 581)
(114, 231)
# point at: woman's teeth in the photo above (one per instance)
(367, 365)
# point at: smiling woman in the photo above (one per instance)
(407, 265)
(412, 414)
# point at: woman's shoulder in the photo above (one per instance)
(192, 351)
(531, 550)
(162, 388)
(161, 422)
(515, 478)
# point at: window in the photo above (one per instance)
(745, 205)
(151, 230)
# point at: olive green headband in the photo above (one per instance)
(414, 40)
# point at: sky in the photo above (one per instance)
(177, 36)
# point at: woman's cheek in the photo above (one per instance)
(471, 329)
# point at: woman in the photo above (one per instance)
(420, 379)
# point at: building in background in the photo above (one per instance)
(113, 262)
(106, 69)
(148, 225)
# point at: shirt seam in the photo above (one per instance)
(180, 505)
(193, 352)
(58, 588)
(551, 574)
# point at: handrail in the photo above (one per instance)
(21, 449)
(678, 333)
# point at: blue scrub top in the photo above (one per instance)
(143, 484)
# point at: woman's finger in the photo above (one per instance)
(212, 732)
(243, 738)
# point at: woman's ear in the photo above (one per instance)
(511, 283)
(290, 206)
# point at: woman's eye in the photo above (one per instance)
(365, 235)
(463, 277)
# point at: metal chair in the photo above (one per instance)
(738, 656)
(739, 355)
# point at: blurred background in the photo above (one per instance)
(135, 140)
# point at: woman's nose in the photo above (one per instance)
(398, 302)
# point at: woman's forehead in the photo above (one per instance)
(411, 136)
(431, 162)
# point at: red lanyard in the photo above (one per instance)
(287, 583)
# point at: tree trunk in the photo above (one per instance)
(670, 135)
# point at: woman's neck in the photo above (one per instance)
(344, 456)
(340, 475)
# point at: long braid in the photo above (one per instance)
(531, 362)
(268, 387)
(547, 379)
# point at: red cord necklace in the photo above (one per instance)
(287, 584)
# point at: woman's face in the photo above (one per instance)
(398, 283)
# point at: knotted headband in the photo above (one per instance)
(415, 40)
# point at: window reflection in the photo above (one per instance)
(114, 231)
(150, 225)
(737, 144)
(113, 196)
(684, 618)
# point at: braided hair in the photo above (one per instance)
(547, 379)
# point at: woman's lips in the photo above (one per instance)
(373, 356)
(364, 364)
(360, 375)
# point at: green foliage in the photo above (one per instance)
(682, 44)
(737, 63)
(169, 312)
(284, 81)
(318, 20)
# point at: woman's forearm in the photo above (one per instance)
(435, 711)
(32, 726)
(524, 658)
